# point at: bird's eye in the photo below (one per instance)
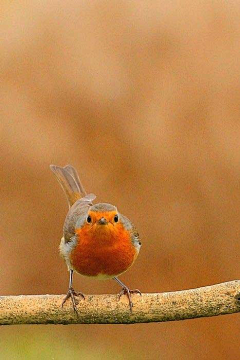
(115, 218)
(89, 219)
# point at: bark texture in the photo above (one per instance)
(206, 301)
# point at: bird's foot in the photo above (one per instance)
(73, 294)
(128, 292)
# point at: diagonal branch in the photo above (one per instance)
(206, 301)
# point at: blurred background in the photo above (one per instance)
(143, 98)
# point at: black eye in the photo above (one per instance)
(115, 218)
(89, 219)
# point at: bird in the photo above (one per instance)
(98, 241)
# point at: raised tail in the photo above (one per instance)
(68, 178)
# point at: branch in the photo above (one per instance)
(207, 301)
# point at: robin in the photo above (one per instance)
(97, 241)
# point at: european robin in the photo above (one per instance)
(97, 241)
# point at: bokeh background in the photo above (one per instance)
(143, 98)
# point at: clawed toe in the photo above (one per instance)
(128, 292)
(136, 291)
(73, 294)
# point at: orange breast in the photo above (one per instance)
(104, 251)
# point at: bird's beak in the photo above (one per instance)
(102, 221)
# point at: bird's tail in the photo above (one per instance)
(70, 182)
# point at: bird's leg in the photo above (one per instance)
(72, 294)
(126, 291)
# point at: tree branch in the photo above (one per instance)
(207, 301)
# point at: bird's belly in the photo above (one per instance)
(103, 262)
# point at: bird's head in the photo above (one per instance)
(102, 217)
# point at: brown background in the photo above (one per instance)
(144, 99)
